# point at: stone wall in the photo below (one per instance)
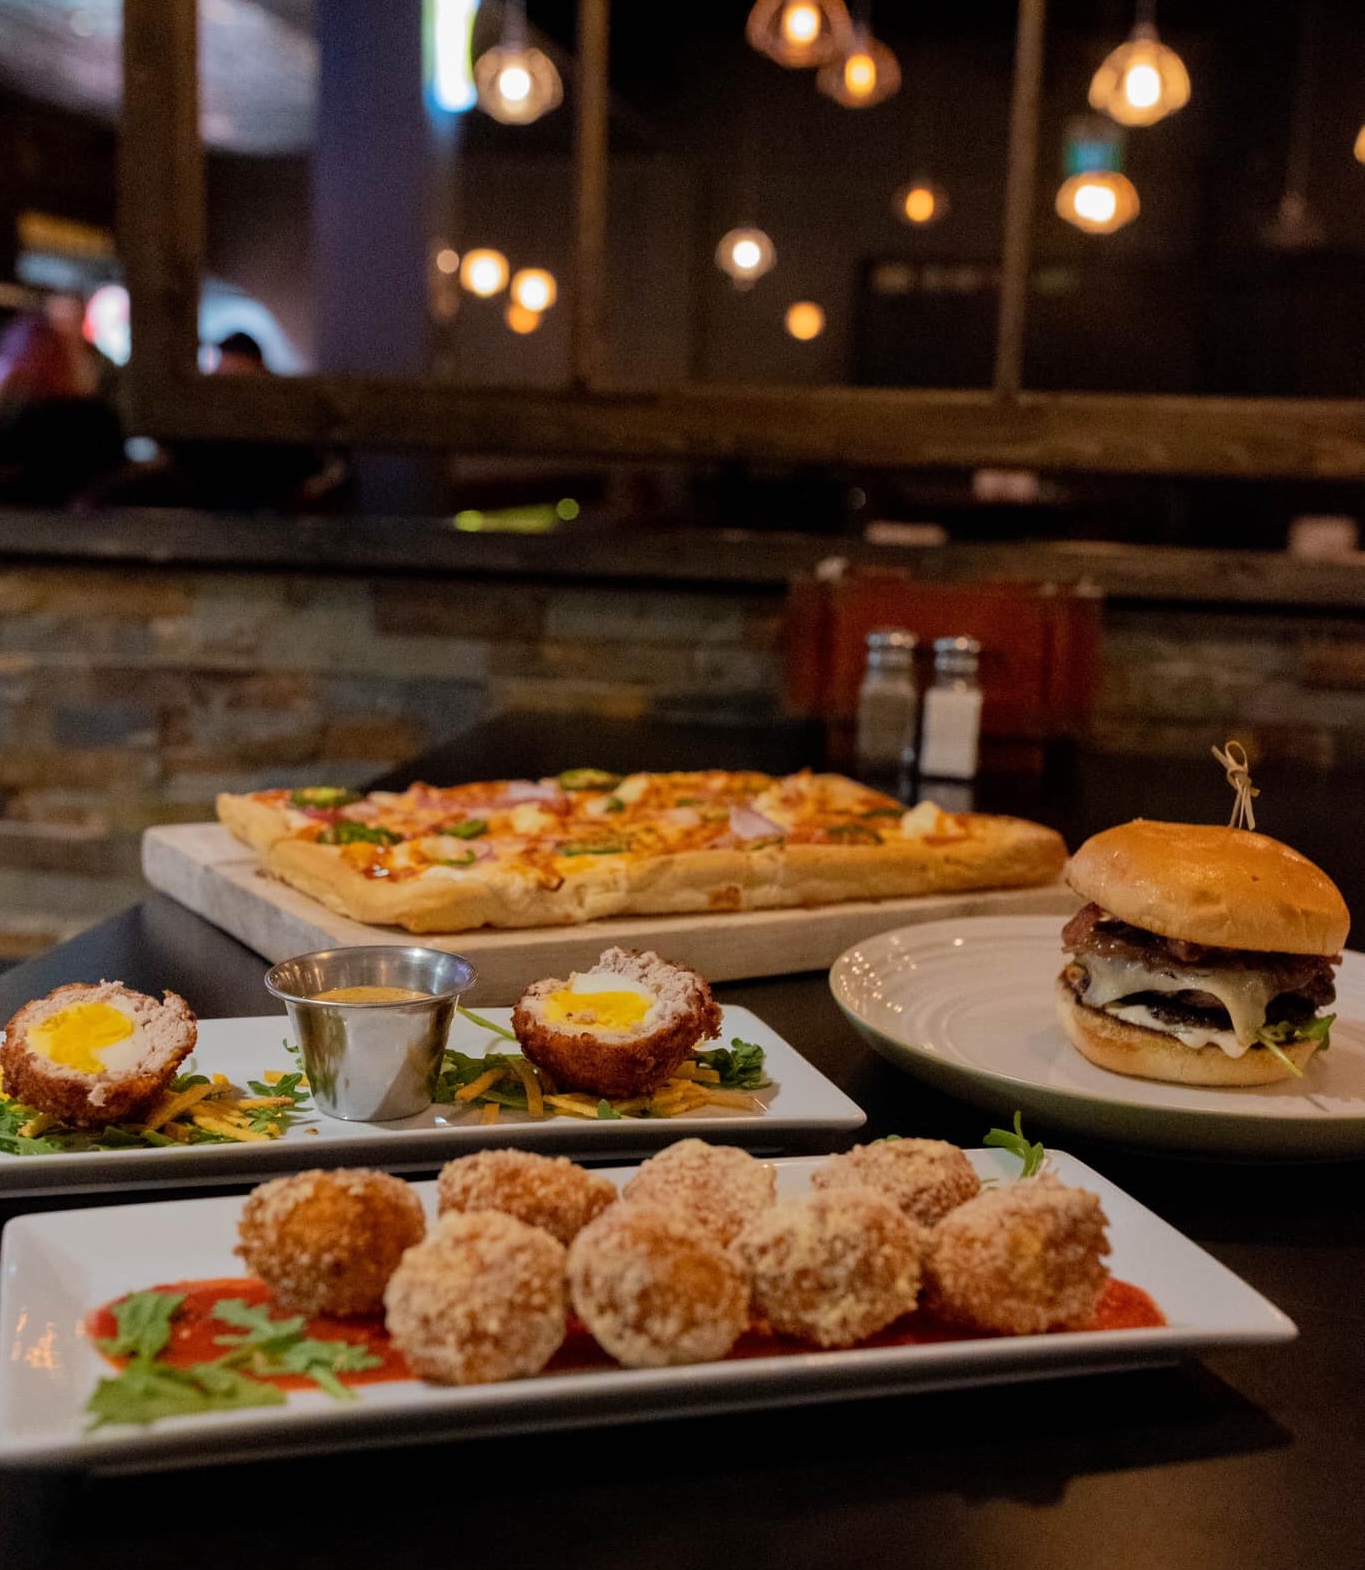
(131, 696)
(1289, 685)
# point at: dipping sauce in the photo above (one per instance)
(370, 995)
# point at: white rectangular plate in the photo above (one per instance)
(204, 867)
(800, 1109)
(55, 1268)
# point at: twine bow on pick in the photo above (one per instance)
(1233, 757)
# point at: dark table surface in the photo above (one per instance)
(1247, 1458)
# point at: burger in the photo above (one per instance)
(1204, 954)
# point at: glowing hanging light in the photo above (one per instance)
(447, 261)
(1096, 195)
(746, 254)
(1099, 201)
(448, 36)
(921, 203)
(868, 74)
(484, 272)
(800, 33)
(521, 318)
(1142, 81)
(805, 320)
(535, 289)
(517, 83)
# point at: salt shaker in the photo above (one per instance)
(888, 710)
(951, 740)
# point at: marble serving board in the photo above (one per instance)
(219, 878)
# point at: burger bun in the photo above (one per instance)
(1203, 883)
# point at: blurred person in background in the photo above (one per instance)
(59, 431)
(216, 475)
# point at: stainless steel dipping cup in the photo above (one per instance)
(371, 1062)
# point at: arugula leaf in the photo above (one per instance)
(588, 779)
(1033, 1156)
(279, 1346)
(470, 829)
(740, 1065)
(273, 1120)
(1286, 1034)
(188, 1081)
(146, 1391)
(347, 832)
(322, 1361)
(485, 1024)
(606, 1110)
(261, 1330)
(144, 1324)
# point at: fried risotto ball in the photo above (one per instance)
(720, 1187)
(926, 1177)
(833, 1267)
(1019, 1260)
(480, 1299)
(327, 1242)
(619, 1029)
(550, 1192)
(654, 1289)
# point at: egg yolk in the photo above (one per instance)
(602, 1010)
(76, 1036)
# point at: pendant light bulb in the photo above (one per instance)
(746, 254)
(516, 83)
(1142, 81)
(800, 33)
(867, 74)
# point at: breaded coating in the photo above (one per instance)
(926, 1177)
(719, 1187)
(630, 1062)
(164, 1035)
(833, 1267)
(479, 1300)
(1019, 1260)
(654, 1289)
(327, 1242)
(550, 1192)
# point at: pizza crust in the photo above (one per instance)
(999, 852)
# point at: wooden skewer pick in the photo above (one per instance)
(1233, 757)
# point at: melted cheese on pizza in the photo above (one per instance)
(552, 830)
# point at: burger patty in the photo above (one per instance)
(1302, 976)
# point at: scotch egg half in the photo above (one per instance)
(619, 1029)
(94, 1055)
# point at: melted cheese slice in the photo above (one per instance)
(1243, 993)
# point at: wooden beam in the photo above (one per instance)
(1021, 183)
(161, 196)
(1246, 437)
(591, 155)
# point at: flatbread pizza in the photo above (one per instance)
(555, 852)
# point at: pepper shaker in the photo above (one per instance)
(888, 710)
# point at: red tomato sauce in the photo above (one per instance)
(194, 1331)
